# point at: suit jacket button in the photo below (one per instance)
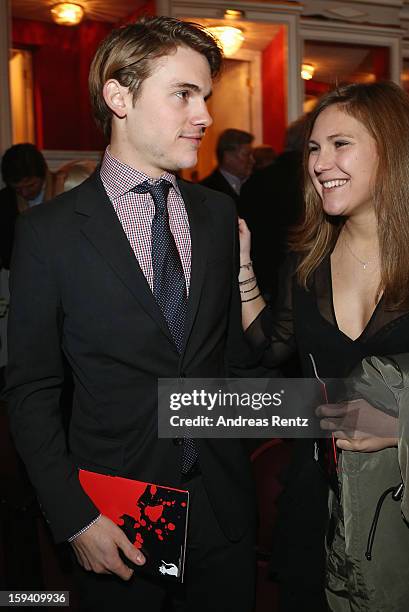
(178, 441)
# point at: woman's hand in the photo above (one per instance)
(245, 242)
(358, 426)
(252, 302)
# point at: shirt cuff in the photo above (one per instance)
(83, 529)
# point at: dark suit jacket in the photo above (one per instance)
(8, 216)
(75, 284)
(216, 181)
(271, 202)
(10, 205)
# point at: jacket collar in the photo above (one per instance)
(103, 230)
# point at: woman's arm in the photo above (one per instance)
(270, 331)
(252, 302)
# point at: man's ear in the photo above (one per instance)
(115, 96)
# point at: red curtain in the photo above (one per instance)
(61, 60)
(274, 74)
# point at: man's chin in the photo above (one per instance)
(188, 162)
(183, 163)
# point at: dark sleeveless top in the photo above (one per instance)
(304, 322)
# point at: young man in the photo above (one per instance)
(98, 279)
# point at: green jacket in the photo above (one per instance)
(381, 583)
(384, 383)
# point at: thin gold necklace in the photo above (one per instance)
(363, 263)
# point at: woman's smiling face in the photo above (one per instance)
(342, 163)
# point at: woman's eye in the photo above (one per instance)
(312, 148)
(183, 94)
(340, 143)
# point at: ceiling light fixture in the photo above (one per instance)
(307, 71)
(67, 13)
(233, 14)
(229, 38)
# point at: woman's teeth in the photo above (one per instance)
(336, 183)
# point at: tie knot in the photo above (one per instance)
(159, 192)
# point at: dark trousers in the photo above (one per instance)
(219, 574)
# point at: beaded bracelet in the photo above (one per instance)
(247, 281)
(247, 266)
(251, 299)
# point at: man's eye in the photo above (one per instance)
(182, 94)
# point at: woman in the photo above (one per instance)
(345, 296)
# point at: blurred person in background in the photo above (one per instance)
(264, 155)
(271, 202)
(235, 163)
(28, 183)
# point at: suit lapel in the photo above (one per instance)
(104, 231)
(199, 233)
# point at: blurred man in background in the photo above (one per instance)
(235, 158)
(28, 183)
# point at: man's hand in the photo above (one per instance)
(358, 426)
(366, 445)
(97, 549)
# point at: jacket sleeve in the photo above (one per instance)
(34, 381)
(384, 382)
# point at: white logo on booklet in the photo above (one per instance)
(169, 568)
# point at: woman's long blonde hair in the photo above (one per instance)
(383, 108)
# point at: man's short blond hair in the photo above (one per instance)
(127, 55)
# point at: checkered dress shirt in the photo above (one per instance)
(136, 210)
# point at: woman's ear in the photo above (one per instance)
(115, 96)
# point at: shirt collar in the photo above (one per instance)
(38, 199)
(119, 178)
(233, 180)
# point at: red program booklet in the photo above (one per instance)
(153, 517)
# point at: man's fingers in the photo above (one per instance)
(111, 563)
(347, 434)
(130, 551)
(332, 410)
(345, 444)
(331, 424)
(357, 445)
(99, 547)
(119, 568)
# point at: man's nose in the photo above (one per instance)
(203, 116)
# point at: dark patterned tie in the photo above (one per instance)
(169, 283)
